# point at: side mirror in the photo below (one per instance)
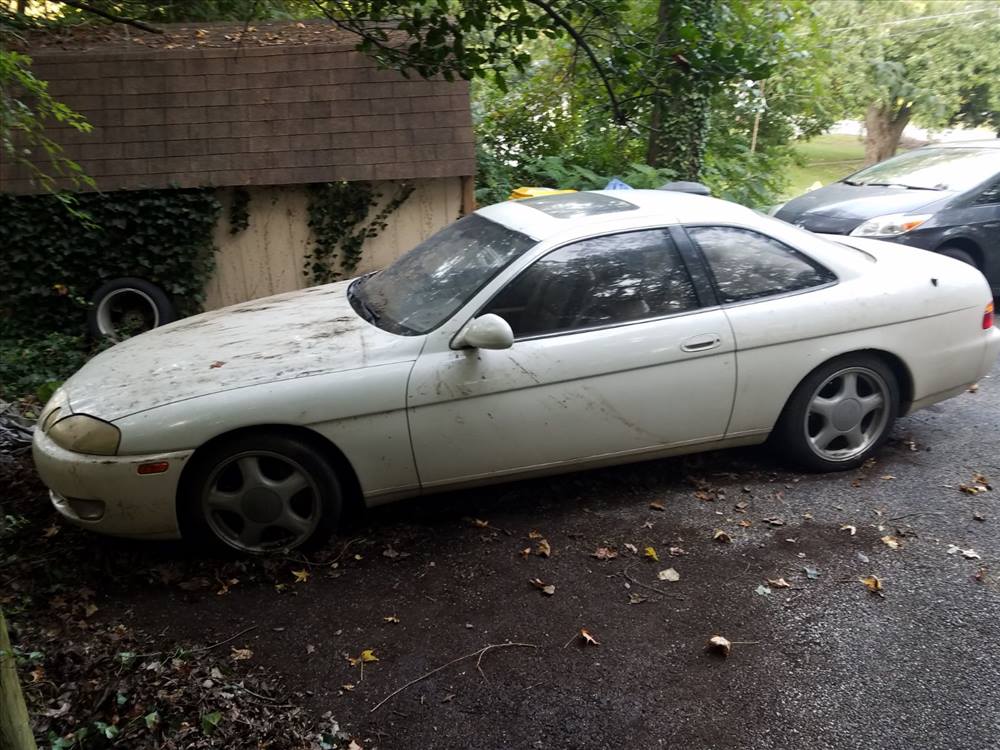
(486, 332)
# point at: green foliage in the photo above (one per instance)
(26, 107)
(339, 219)
(35, 367)
(52, 261)
(239, 210)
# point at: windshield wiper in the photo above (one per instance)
(366, 311)
(894, 184)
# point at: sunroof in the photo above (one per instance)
(571, 205)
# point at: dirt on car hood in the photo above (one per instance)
(287, 336)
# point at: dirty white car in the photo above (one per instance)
(529, 338)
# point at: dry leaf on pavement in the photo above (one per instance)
(650, 552)
(588, 639)
(546, 588)
(890, 541)
(719, 646)
(848, 527)
(543, 549)
(604, 553)
(778, 583)
(873, 584)
(721, 537)
(301, 576)
(241, 654)
(669, 575)
(657, 506)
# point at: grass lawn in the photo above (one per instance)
(827, 158)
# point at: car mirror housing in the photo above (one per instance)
(488, 331)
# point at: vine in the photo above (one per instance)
(52, 261)
(239, 210)
(339, 219)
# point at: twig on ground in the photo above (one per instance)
(480, 653)
(200, 648)
(921, 513)
(630, 579)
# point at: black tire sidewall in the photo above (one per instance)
(195, 529)
(790, 434)
(957, 253)
(164, 306)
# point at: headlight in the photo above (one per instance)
(82, 433)
(890, 225)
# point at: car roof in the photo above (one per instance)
(545, 216)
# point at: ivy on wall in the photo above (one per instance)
(52, 261)
(239, 210)
(339, 219)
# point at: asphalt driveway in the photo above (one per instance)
(823, 663)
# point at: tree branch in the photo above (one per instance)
(87, 8)
(582, 43)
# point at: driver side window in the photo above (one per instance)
(602, 281)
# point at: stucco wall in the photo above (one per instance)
(269, 256)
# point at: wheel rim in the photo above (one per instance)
(260, 501)
(847, 414)
(124, 312)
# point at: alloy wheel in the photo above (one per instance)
(847, 414)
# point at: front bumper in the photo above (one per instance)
(107, 494)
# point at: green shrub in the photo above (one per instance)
(34, 368)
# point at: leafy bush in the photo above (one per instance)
(36, 367)
(53, 258)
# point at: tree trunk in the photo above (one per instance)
(678, 121)
(883, 129)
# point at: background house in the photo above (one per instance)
(270, 109)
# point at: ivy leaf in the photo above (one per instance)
(210, 721)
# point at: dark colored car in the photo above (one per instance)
(944, 198)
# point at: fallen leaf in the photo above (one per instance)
(89, 610)
(969, 489)
(301, 576)
(742, 505)
(778, 583)
(348, 687)
(873, 584)
(676, 551)
(216, 365)
(775, 521)
(50, 531)
(721, 537)
(546, 588)
(532, 534)
(657, 506)
(746, 523)
(390, 553)
(862, 557)
(978, 517)
(588, 639)
(887, 477)
(241, 654)
(37, 674)
(526, 552)
(604, 553)
(850, 528)
(719, 646)
(811, 573)
(635, 598)
(762, 590)
(365, 657)
(890, 541)
(968, 554)
(651, 554)
(390, 618)
(669, 575)
(543, 549)
(632, 548)
(648, 525)
(480, 523)
(354, 746)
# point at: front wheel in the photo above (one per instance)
(260, 493)
(840, 414)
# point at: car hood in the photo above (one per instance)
(287, 336)
(840, 208)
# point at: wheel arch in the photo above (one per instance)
(904, 378)
(966, 244)
(353, 498)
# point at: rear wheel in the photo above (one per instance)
(840, 414)
(260, 493)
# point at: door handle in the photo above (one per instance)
(701, 343)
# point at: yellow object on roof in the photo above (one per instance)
(532, 192)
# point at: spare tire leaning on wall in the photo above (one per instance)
(128, 306)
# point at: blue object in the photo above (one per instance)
(617, 184)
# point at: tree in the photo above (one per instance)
(910, 60)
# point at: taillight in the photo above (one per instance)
(988, 317)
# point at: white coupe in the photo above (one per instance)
(531, 337)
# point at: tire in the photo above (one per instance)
(124, 307)
(959, 254)
(821, 430)
(259, 493)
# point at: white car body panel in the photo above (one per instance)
(409, 413)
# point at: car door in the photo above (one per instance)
(615, 354)
(779, 302)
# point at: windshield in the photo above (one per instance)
(426, 286)
(954, 169)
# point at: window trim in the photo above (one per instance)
(696, 248)
(685, 264)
